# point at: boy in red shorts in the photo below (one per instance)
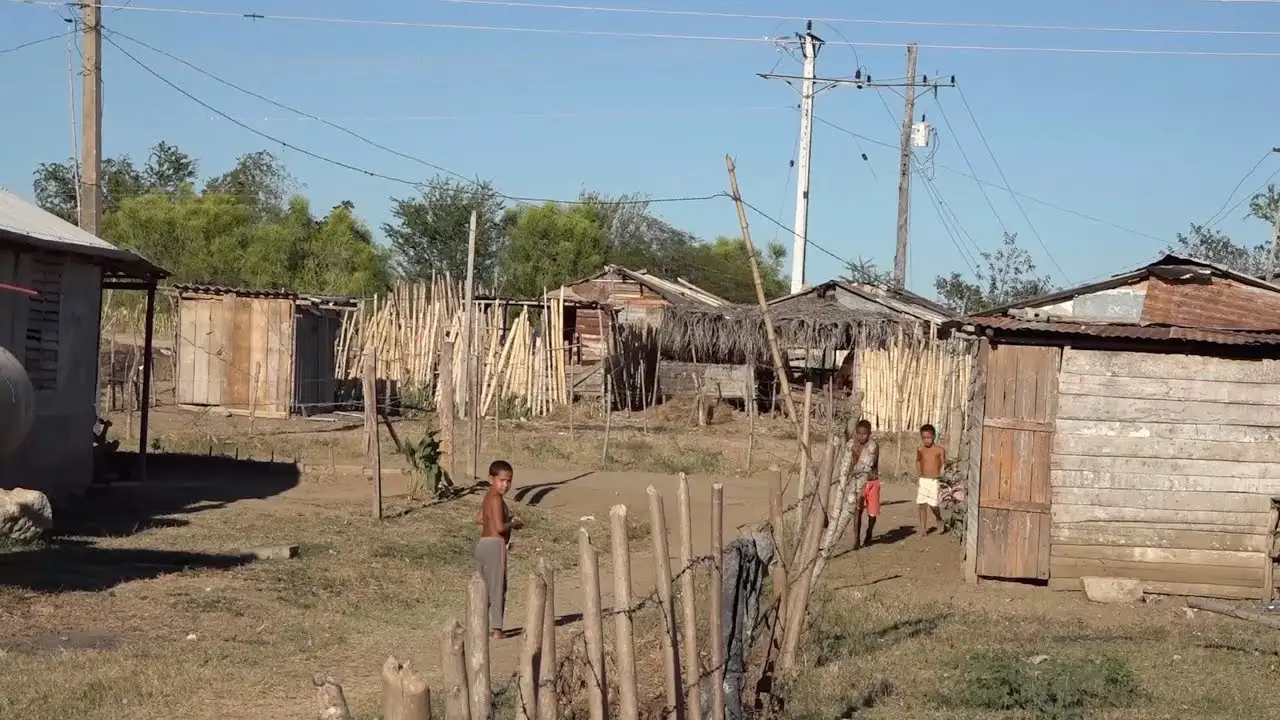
(866, 477)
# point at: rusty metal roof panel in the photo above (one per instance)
(197, 289)
(1128, 332)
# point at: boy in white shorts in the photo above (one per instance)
(930, 460)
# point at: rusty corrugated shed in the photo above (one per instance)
(1126, 332)
(1219, 302)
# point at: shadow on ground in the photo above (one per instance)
(79, 566)
(176, 484)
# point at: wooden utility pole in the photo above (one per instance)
(471, 404)
(779, 368)
(91, 120)
(904, 173)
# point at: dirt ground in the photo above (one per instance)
(148, 611)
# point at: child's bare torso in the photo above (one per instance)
(931, 459)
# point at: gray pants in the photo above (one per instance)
(489, 555)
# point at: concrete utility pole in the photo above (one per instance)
(810, 87)
(809, 44)
(91, 121)
(904, 174)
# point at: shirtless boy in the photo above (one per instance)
(930, 459)
(496, 524)
(866, 474)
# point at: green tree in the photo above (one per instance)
(260, 180)
(1009, 276)
(429, 233)
(56, 184)
(722, 267)
(1205, 243)
(866, 271)
(550, 245)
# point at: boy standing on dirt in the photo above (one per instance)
(930, 459)
(866, 476)
(496, 524)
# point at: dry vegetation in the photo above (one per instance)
(150, 615)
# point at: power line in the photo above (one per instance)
(1214, 217)
(998, 186)
(960, 146)
(629, 113)
(790, 231)
(111, 34)
(1005, 179)
(1244, 199)
(31, 43)
(873, 21)
(369, 22)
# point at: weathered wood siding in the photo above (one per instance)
(1163, 469)
(55, 335)
(236, 353)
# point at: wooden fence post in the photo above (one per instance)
(453, 659)
(333, 704)
(624, 639)
(717, 602)
(804, 449)
(527, 702)
(405, 695)
(607, 401)
(548, 697)
(589, 578)
(688, 607)
(253, 396)
(662, 578)
(478, 649)
(780, 577)
(371, 428)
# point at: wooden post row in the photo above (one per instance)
(478, 649)
(688, 607)
(662, 578)
(589, 574)
(624, 640)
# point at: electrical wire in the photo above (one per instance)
(32, 43)
(1004, 178)
(869, 21)
(960, 146)
(1005, 188)
(370, 22)
(628, 113)
(110, 36)
(1244, 199)
(1214, 218)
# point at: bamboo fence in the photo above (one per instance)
(521, 360)
(910, 380)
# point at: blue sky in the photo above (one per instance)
(1147, 142)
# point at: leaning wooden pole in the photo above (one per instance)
(624, 638)
(662, 579)
(593, 630)
(779, 368)
(688, 607)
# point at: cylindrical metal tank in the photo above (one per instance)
(17, 403)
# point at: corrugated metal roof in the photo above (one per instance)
(677, 291)
(894, 303)
(25, 220)
(1128, 332)
(196, 289)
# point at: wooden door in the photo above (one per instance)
(1014, 524)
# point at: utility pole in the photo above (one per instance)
(91, 121)
(904, 174)
(810, 87)
(1275, 238)
(809, 45)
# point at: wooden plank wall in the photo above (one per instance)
(236, 353)
(1163, 469)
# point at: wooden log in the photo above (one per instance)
(405, 695)
(805, 447)
(527, 702)
(478, 649)
(662, 579)
(717, 602)
(688, 607)
(624, 639)
(444, 405)
(333, 704)
(253, 395)
(371, 429)
(1224, 608)
(593, 630)
(548, 696)
(453, 660)
(751, 417)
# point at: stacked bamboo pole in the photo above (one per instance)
(522, 361)
(908, 381)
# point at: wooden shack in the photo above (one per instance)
(1130, 428)
(52, 275)
(261, 352)
(638, 298)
